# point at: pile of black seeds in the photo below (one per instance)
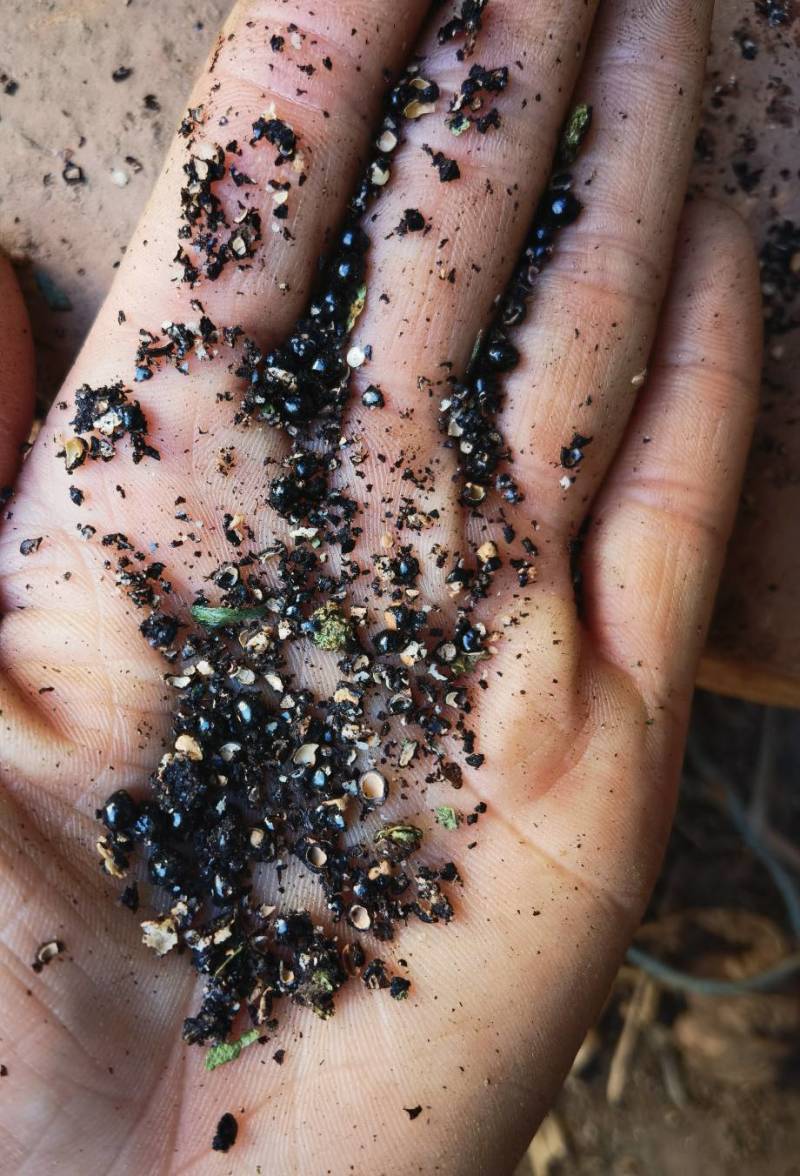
(261, 770)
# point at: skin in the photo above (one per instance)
(584, 719)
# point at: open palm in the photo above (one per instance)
(582, 719)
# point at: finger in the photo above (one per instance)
(264, 62)
(661, 525)
(16, 375)
(322, 71)
(431, 290)
(595, 309)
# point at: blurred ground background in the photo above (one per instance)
(674, 1083)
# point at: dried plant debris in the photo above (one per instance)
(259, 769)
(573, 134)
(228, 1051)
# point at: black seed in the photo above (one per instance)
(501, 354)
(119, 811)
(561, 209)
(372, 397)
(388, 641)
(165, 868)
(354, 239)
(159, 630)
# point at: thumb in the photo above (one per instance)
(16, 375)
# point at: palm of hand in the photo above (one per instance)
(582, 721)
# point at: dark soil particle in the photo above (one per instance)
(448, 169)
(130, 897)
(413, 222)
(225, 1135)
(413, 1112)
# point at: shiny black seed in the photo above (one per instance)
(501, 354)
(132, 417)
(329, 367)
(372, 397)
(354, 239)
(388, 641)
(470, 640)
(405, 569)
(296, 929)
(159, 630)
(165, 868)
(305, 347)
(149, 825)
(223, 888)
(283, 494)
(572, 455)
(119, 811)
(560, 209)
(297, 406)
(349, 270)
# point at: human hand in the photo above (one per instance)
(582, 721)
